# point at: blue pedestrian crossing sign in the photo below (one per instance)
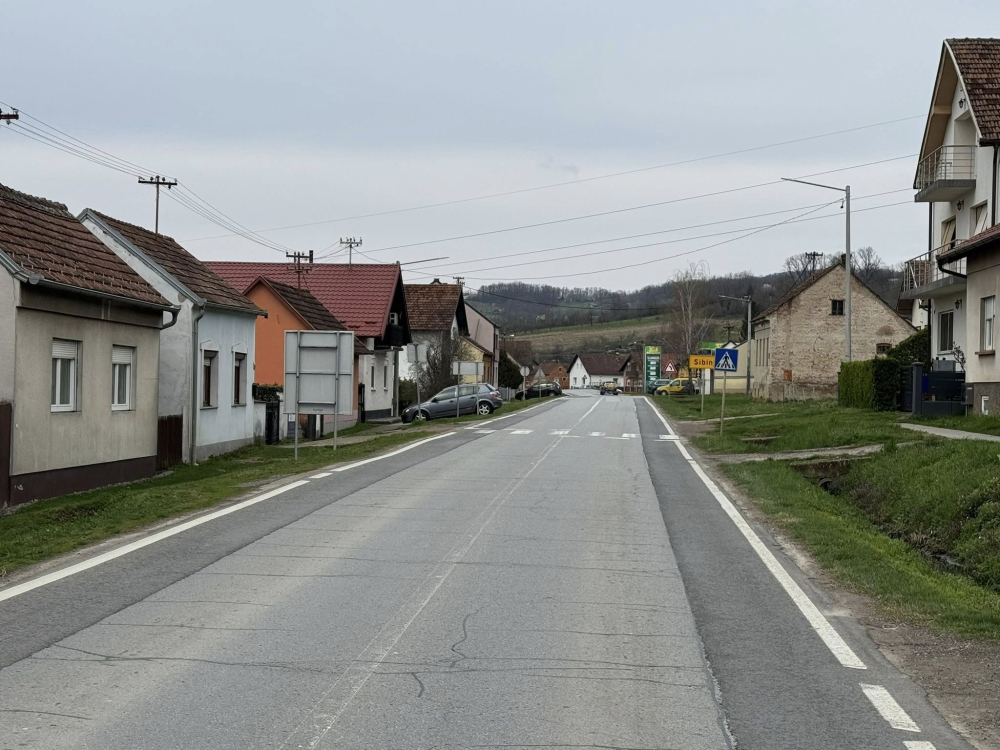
(726, 359)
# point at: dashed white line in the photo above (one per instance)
(629, 435)
(596, 434)
(667, 437)
(321, 475)
(521, 432)
(512, 414)
(891, 711)
(485, 432)
(559, 432)
(911, 745)
(396, 452)
(125, 549)
(837, 645)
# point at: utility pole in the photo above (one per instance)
(847, 262)
(350, 243)
(297, 259)
(459, 280)
(813, 257)
(8, 118)
(158, 181)
(749, 301)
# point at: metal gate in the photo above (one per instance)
(169, 441)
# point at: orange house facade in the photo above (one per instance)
(292, 309)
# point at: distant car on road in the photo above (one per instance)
(654, 384)
(677, 386)
(478, 398)
(542, 390)
(610, 388)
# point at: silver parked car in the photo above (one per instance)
(479, 398)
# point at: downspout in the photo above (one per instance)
(198, 313)
(993, 197)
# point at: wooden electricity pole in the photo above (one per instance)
(297, 259)
(158, 181)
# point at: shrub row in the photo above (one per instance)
(871, 384)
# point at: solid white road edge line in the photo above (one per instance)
(891, 711)
(320, 475)
(328, 709)
(512, 414)
(666, 425)
(837, 645)
(93, 562)
(396, 452)
(911, 745)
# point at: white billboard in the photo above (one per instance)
(319, 372)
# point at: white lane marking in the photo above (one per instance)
(629, 435)
(321, 475)
(396, 452)
(328, 709)
(891, 711)
(667, 437)
(837, 645)
(666, 425)
(521, 432)
(597, 402)
(125, 549)
(559, 432)
(911, 745)
(613, 437)
(485, 432)
(597, 434)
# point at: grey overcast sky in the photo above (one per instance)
(290, 113)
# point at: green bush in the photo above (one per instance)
(263, 392)
(407, 393)
(871, 384)
(916, 348)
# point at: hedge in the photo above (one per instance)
(915, 348)
(871, 384)
(264, 392)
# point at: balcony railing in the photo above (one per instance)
(946, 173)
(922, 271)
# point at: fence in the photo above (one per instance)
(933, 394)
(169, 441)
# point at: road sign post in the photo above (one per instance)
(701, 362)
(459, 369)
(524, 382)
(725, 362)
(416, 354)
(319, 375)
(651, 367)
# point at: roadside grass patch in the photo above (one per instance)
(846, 544)
(737, 405)
(34, 532)
(986, 425)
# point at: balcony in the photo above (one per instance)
(946, 174)
(923, 278)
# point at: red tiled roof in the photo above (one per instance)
(967, 247)
(600, 364)
(177, 261)
(432, 307)
(979, 64)
(360, 295)
(43, 237)
(549, 367)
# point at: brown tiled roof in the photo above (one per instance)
(432, 307)
(360, 295)
(310, 309)
(177, 261)
(969, 246)
(979, 65)
(600, 364)
(795, 291)
(43, 237)
(549, 367)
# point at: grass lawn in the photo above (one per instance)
(857, 553)
(50, 527)
(970, 423)
(737, 405)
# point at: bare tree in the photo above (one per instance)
(689, 317)
(436, 374)
(867, 264)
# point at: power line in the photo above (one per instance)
(629, 208)
(573, 182)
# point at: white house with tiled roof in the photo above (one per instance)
(207, 363)
(957, 179)
(79, 356)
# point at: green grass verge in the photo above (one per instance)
(854, 551)
(737, 405)
(51, 527)
(971, 423)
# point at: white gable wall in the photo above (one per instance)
(578, 375)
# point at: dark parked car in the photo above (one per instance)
(654, 384)
(478, 398)
(542, 390)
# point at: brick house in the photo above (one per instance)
(798, 343)
(551, 372)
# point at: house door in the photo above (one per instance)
(169, 441)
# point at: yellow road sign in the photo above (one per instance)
(701, 362)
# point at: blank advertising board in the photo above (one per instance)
(319, 372)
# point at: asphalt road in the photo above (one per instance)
(562, 578)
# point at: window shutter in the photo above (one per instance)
(64, 349)
(121, 355)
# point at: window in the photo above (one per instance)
(979, 219)
(209, 380)
(64, 358)
(947, 233)
(121, 377)
(836, 307)
(946, 331)
(988, 307)
(468, 390)
(446, 394)
(984, 405)
(239, 377)
(373, 375)
(385, 375)
(882, 348)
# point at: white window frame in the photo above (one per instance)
(122, 358)
(239, 379)
(947, 232)
(984, 405)
(209, 390)
(61, 360)
(951, 314)
(987, 322)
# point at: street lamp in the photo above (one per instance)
(847, 260)
(749, 300)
